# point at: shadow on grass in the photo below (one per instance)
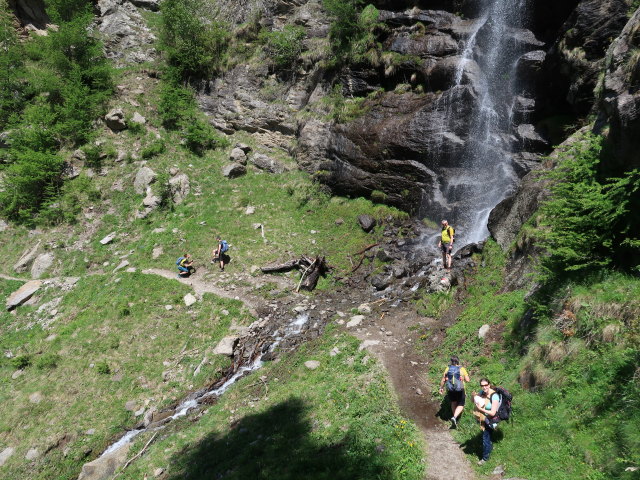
(278, 445)
(473, 446)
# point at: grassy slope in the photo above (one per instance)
(581, 420)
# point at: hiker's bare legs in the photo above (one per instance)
(457, 411)
(448, 259)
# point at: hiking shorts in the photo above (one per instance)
(446, 248)
(458, 397)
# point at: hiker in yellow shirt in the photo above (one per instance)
(454, 377)
(446, 244)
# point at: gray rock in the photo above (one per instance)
(244, 147)
(103, 468)
(364, 308)
(355, 321)
(499, 470)
(115, 119)
(24, 293)
(108, 239)
(32, 454)
(368, 343)
(366, 222)
(153, 5)
(180, 188)
(130, 405)
(121, 265)
(144, 178)
(233, 170)
(226, 346)
(482, 332)
(35, 397)
(189, 299)
(139, 119)
(26, 260)
(3, 226)
(5, 455)
(157, 251)
(41, 264)
(238, 155)
(17, 374)
(173, 171)
(312, 364)
(264, 162)
(380, 282)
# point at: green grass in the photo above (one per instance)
(580, 418)
(111, 343)
(338, 421)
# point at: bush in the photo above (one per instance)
(21, 362)
(47, 361)
(352, 29)
(176, 103)
(68, 205)
(586, 222)
(284, 47)
(200, 136)
(153, 149)
(103, 368)
(11, 67)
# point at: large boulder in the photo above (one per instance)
(26, 259)
(41, 264)
(180, 187)
(115, 119)
(233, 170)
(264, 162)
(104, 467)
(24, 293)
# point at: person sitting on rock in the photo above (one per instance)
(446, 244)
(185, 265)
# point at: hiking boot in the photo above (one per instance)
(454, 422)
(481, 462)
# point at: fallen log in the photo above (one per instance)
(312, 270)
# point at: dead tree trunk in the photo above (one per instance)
(311, 270)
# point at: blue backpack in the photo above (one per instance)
(225, 246)
(454, 383)
(179, 261)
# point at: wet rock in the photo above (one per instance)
(312, 364)
(482, 332)
(233, 170)
(41, 264)
(226, 346)
(399, 271)
(366, 222)
(264, 162)
(189, 299)
(530, 138)
(27, 259)
(24, 293)
(103, 468)
(237, 155)
(144, 178)
(180, 188)
(108, 239)
(115, 119)
(5, 455)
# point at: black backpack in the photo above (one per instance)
(504, 410)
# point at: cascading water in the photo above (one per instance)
(484, 175)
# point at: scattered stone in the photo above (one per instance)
(32, 454)
(27, 258)
(335, 351)
(35, 397)
(254, 269)
(268, 164)
(151, 200)
(238, 155)
(41, 264)
(168, 307)
(115, 120)
(91, 431)
(17, 374)
(144, 178)
(3, 225)
(355, 321)
(139, 119)
(250, 210)
(5, 455)
(339, 221)
(364, 308)
(24, 293)
(51, 338)
(121, 265)
(484, 329)
(499, 470)
(180, 188)
(368, 343)
(234, 170)
(139, 412)
(157, 251)
(108, 239)
(244, 147)
(418, 391)
(226, 346)
(312, 364)
(158, 471)
(380, 282)
(189, 299)
(131, 270)
(159, 230)
(366, 222)
(130, 406)
(225, 312)
(300, 309)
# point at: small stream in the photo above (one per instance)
(238, 370)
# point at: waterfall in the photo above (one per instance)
(485, 175)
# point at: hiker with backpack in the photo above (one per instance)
(493, 406)
(185, 266)
(446, 244)
(454, 378)
(219, 254)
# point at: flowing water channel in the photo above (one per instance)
(485, 175)
(235, 373)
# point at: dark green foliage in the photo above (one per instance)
(352, 28)
(195, 44)
(68, 205)
(103, 368)
(153, 149)
(47, 361)
(29, 181)
(176, 103)
(21, 361)
(587, 220)
(285, 46)
(11, 67)
(200, 136)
